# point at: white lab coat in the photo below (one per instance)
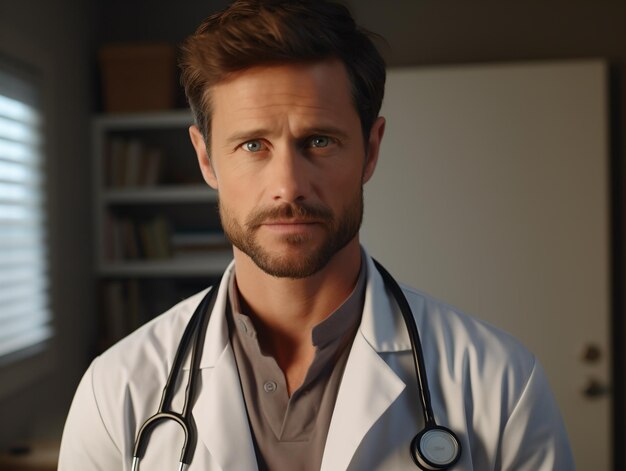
(484, 385)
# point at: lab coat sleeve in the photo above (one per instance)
(534, 437)
(87, 445)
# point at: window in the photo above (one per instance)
(25, 318)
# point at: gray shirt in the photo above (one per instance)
(290, 432)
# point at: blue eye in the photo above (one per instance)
(253, 146)
(320, 141)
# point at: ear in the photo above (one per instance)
(206, 167)
(373, 147)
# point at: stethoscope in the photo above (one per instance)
(435, 448)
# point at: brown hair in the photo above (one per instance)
(262, 32)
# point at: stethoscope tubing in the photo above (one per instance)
(194, 334)
(416, 344)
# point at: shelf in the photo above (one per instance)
(150, 200)
(135, 121)
(160, 194)
(189, 265)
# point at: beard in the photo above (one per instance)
(309, 256)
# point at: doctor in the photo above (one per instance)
(306, 362)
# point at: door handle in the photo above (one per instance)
(595, 389)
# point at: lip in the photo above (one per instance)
(287, 222)
(291, 225)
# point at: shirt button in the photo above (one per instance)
(243, 326)
(269, 386)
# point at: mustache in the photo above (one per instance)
(299, 211)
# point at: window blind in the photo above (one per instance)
(25, 317)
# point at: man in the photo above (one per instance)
(306, 362)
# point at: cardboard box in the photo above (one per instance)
(138, 77)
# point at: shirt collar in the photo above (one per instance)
(342, 321)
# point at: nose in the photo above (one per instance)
(289, 175)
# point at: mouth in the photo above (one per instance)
(290, 217)
(291, 225)
(287, 222)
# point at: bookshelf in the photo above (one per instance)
(158, 236)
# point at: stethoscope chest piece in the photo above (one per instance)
(435, 448)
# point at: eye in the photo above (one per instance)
(253, 146)
(320, 141)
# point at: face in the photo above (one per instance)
(289, 162)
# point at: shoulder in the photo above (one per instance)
(125, 382)
(505, 396)
(154, 344)
(136, 367)
(121, 388)
(469, 351)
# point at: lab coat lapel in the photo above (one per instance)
(221, 418)
(220, 412)
(369, 386)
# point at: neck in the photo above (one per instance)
(286, 310)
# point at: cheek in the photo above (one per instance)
(237, 199)
(341, 180)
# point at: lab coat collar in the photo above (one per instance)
(216, 338)
(382, 324)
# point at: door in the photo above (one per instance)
(491, 193)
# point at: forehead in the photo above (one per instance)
(309, 90)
